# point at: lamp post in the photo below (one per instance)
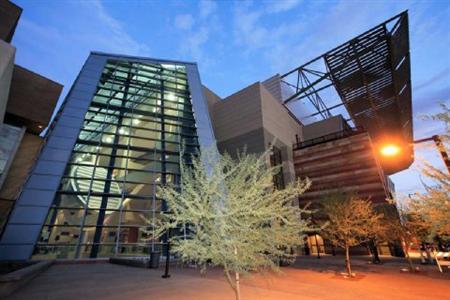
(166, 270)
(394, 150)
(440, 146)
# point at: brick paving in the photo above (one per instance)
(309, 278)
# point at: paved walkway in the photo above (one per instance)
(106, 281)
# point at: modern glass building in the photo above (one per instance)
(116, 138)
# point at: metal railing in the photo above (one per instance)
(328, 137)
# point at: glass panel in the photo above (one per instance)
(128, 145)
(60, 235)
(53, 251)
(71, 217)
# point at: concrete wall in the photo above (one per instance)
(211, 98)
(18, 172)
(7, 54)
(273, 85)
(10, 138)
(280, 124)
(344, 164)
(238, 114)
(32, 99)
(21, 166)
(252, 118)
(331, 125)
(9, 17)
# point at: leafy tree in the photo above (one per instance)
(434, 209)
(434, 205)
(444, 117)
(351, 221)
(404, 225)
(234, 217)
(425, 216)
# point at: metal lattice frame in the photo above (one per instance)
(371, 75)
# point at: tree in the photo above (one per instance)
(351, 221)
(404, 225)
(234, 217)
(434, 209)
(434, 205)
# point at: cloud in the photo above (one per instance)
(302, 34)
(444, 74)
(184, 22)
(428, 101)
(196, 40)
(281, 5)
(198, 33)
(248, 32)
(207, 7)
(118, 39)
(57, 48)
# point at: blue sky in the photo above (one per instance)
(237, 43)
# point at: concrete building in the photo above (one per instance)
(342, 151)
(252, 119)
(27, 101)
(9, 16)
(117, 136)
(92, 190)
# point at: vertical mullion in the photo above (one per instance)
(163, 141)
(107, 188)
(88, 198)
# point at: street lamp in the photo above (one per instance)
(391, 150)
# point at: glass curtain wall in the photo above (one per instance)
(130, 143)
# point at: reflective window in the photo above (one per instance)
(128, 145)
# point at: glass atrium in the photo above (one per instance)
(129, 143)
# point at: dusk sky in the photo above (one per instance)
(237, 43)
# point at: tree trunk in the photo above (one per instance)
(347, 261)
(428, 252)
(237, 290)
(234, 285)
(422, 258)
(374, 250)
(408, 258)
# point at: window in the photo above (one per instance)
(277, 160)
(128, 146)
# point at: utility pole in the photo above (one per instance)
(440, 146)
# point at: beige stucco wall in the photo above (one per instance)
(279, 123)
(238, 114)
(328, 126)
(211, 98)
(252, 118)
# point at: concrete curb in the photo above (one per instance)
(12, 281)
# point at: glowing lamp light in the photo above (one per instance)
(390, 150)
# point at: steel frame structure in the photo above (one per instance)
(371, 75)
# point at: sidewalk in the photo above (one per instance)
(106, 281)
(362, 263)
